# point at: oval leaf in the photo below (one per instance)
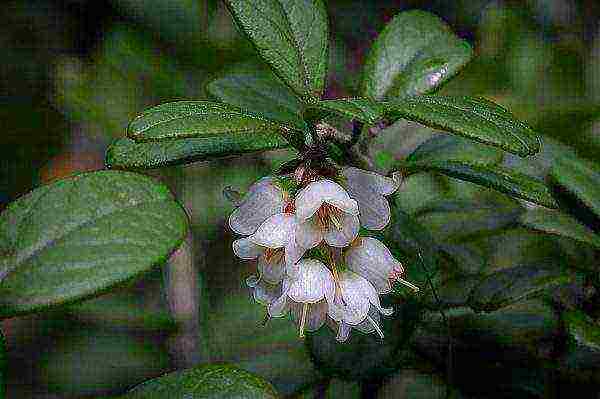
(444, 147)
(126, 153)
(501, 179)
(187, 119)
(77, 237)
(415, 54)
(475, 118)
(205, 382)
(360, 109)
(581, 177)
(554, 222)
(259, 92)
(291, 36)
(583, 344)
(509, 286)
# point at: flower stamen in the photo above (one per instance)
(376, 326)
(303, 319)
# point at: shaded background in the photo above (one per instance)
(75, 72)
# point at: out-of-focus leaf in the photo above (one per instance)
(79, 236)
(443, 147)
(581, 178)
(415, 54)
(475, 118)
(2, 365)
(260, 92)
(501, 179)
(581, 360)
(205, 382)
(361, 109)
(508, 286)
(187, 119)
(291, 36)
(468, 259)
(417, 384)
(342, 389)
(126, 153)
(555, 222)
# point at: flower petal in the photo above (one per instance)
(308, 234)
(372, 260)
(263, 200)
(317, 313)
(343, 332)
(314, 282)
(279, 307)
(271, 271)
(361, 179)
(265, 293)
(310, 199)
(341, 238)
(276, 231)
(246, 249)
(356, 297)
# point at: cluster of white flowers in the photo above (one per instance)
(283, 226)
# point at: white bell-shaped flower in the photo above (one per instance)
(274, 245)
(369, 190)
(356, 305)
(325, 211)
(264, 199)
(307, 294)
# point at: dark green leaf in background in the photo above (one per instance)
(2, 365)
(126, 153)
(415, 54)
(445, 147)
(475, 118)
(187, 119)
(79, 236)
(581, 360)
(501, 179)
(214, 381)
(581, 177)
(555, 222)
(291, 36)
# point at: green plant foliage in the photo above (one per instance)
(80, 236)
(415, 54)
(443, 147)
(475, 118)
(258, 91)
(292, 36)
(205, 382)
(501, 179)
(126, 153)
(558, 223)
(2, 365)
(580, 177)
(361, 109)
(581, 360)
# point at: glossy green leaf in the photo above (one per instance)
(581, 177)
(558, 223)
(126, 153)
(360, 109)
(508, 286)
(291, 36)
(205, 382)
(444, 147)
(260, 92)
(79, 236)
(501, 179)
(415, 54)
(187, 119)
(475, 118)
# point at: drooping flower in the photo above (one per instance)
(369, 190)
(356, 305)
(371, 259)
(307, 294)
(325, 211)
(264, 199)
(274, 245)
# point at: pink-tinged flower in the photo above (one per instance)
(325, 211)
(356, 305)
(369, 189)
(264, 199)
(274, 245)
(307, 294)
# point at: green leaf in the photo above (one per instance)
(475, 118)
(205, 382)
(360, 109)
(291, 36)
(554, 222)
(501, 179)
(581, 177)
(515, 284)
(415, 54)
(126, 153)
(2, 366)
(443, 147)
(583, 345)
(187, 119)
(78, 237)
(260, 92)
